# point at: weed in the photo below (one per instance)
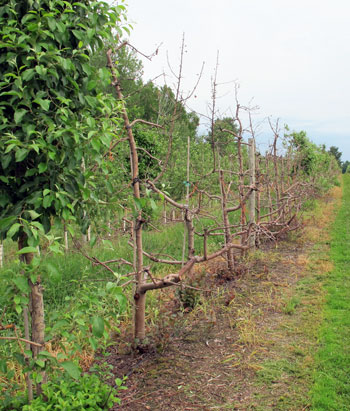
(291, 305)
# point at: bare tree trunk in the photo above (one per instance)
(226, 221)
(27, 337)
(36, 309)
(140, 295)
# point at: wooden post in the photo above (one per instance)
(252, 197)
(164, 213)
(1, 253)
(66, 245)
(188, 219)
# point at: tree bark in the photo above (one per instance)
(226, 222)
(139, 297)
(36, 310)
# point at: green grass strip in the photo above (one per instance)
(331, 390)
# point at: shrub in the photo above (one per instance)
(89, 392)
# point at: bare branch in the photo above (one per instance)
(22, 339)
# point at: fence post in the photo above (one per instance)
(252, 197)
(1, 253)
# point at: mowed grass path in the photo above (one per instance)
(331, 390)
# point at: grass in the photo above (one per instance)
(285, 371)
(291, 305)
(331, 390)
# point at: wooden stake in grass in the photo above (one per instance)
(252, 196)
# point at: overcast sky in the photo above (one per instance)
(291, 57)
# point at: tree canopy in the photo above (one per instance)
(52, 113)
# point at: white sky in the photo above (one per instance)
(291, 57)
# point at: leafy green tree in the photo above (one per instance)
(345, 166)
(53, 118)
(224, 141)
(336, 153)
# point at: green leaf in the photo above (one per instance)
(52, 24)
(19, 114)
(41, 363)
(45, 104)
(41, 70)
(27, 75)
(21, 154)
(72, 369)
(42, 167)
(22, 284)
(98, 326)
(121, 300)
(93, 343)
(18, 309)
(45, 354)
(153, 205)
(47, 201)
(3, 366)
(33, 214)
(39, 377)
(5, 160)
(26, 250)
(93, 240)
(6, 222)
(20, 358)
(13, 230)
(92, 84)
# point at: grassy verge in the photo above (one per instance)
(331, 390)
(285, 373)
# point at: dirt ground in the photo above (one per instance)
(245, 343)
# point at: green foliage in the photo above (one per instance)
(317, 164)
(305, 150)
(291, 305)
(87, 393)
(345, 167)
(188, 297)
(52, 114)
(334, 151)
(223, 141)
